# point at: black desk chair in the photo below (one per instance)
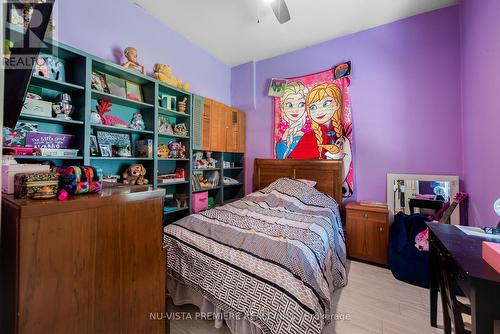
(452, 307)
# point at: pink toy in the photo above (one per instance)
(63, 195)
(114, 121)
(491, 254)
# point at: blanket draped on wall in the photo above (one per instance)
(312, 120)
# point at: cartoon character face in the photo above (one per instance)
(293, 107)
(323, 110)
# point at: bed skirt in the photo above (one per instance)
(183, 295)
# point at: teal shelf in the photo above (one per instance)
(120, 100)
(233, 168)
(171, 183)
(60, 86)
(172, 159)
(171, 113)
(164, 86)
(53, 120)
(37, 157)
(121, 158)
(205, 169)
(120, 129)
(206, 189)
(119, 71)
(172, 136)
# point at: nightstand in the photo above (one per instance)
(367, 231)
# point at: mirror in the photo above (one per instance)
(421, 194)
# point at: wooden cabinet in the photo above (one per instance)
(367, 231)
(235, 130)
(222, 128)
(92, 264)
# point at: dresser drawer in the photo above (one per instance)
(375, 216)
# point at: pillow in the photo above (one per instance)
(310, 183)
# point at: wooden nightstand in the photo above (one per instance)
(367, 231)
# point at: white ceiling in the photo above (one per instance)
(228, 29)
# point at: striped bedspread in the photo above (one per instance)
(271, 258)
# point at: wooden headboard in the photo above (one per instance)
(328, 174)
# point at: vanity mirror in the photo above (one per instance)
(424, 194)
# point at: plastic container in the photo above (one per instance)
(200, 201)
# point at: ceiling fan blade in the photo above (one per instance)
(280, 9)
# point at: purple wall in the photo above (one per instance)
(480, 28)
(100, 27)
(405, 94)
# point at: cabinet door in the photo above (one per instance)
(217, 127)
(241, 131)
(355, 233)
(232, 128)
(206, 124)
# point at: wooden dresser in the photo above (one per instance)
(367, 231)
(91, 264)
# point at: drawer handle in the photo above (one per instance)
(380, 228)
(366, 215)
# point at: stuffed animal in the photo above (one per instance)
(163, 73)
(181, 200)
(134, 174)
(212, 163)
(199, 162)
(182, 152)
(163, 151)
(174, 146)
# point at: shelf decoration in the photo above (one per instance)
(120, 143)
(63, 108)
(164, 127)
(163, 151)
(99, 82)
(34, 105)
(163, 73)
(132, 63)
(181, 130)
(117, 86)
(204, 163)
(181, 105)
(144, 148)
(17, 136)
(49, 67)
(135, 174)
(137, 122)
(168, 101)
(133, 91)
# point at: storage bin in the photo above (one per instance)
(37, 108)
(36, 185)
(200, 201)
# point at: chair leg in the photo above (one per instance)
(446, 315)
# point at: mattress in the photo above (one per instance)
(270, 260)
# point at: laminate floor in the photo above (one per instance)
(373, 299)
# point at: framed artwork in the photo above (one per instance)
(134, 91)
(120, 143)
(277, 87)
(105, 150)
(99, 82)
(94, 148)
(117, 86)
(312, 120)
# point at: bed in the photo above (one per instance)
(269, 262)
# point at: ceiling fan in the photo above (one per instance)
(280, 9)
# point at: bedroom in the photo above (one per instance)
(148, 88)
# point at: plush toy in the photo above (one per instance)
(180, 129)
(181, 200)
(163, 151)
(137, 122)
(211, 161)
(199, 162)
(134, 174)
(163, 73)
(182, 152)
(174, 147)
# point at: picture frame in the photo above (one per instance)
(120, 144)
(168, 101)
(99, 82)
(134, 91)
(94, 147)
(277, 87)
(105, 150)
(117, 86)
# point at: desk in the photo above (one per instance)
(479, 281)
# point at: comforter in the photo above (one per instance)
(272, 258)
